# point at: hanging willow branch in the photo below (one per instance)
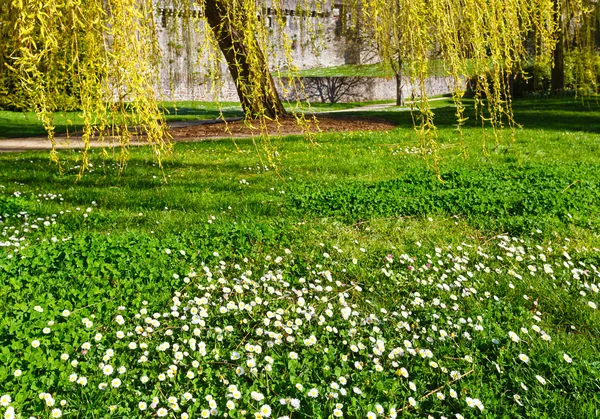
(94, 56)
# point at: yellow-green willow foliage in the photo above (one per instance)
(579, 43)
(97, 56)
(481, 37)
(11, 96)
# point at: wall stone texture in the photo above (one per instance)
(318, 89)
(317, 41)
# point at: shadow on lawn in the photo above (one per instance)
(183, 113)
(26, 124)
(558, 114)
(564, 114)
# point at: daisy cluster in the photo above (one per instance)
(234, 342)
(17, 229)
(407, 151)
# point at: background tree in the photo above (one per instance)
(336, 89)
(575, 59)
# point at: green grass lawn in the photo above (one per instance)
(26, 124)
(437, 68)
(350, 274)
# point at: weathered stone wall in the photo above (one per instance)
(360, 89)
(316, 38)
(318, 89)
(316, 41)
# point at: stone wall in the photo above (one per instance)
(320, 89)
(316, 41)
(361, 89)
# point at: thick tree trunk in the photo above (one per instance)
(558, 65)
(255, 85)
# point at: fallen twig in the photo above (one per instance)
(408, 406)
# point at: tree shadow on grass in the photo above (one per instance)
(555, 114)
(184, 113)
(26, 124)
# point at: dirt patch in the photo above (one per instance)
(203, 130)
(284, 126)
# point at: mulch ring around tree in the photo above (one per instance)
(283, 126)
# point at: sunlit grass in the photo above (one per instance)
(491, 276)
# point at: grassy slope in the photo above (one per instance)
(372, 70)
(359, 190)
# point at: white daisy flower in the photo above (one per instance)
(5, 400)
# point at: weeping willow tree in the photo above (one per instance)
(102, 56)
(578, 26)
(470, 37)
(233, 30)
(251, 39)
(96, 56)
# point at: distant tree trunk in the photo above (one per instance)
(399, 96)
(255, 85)
(558, 65)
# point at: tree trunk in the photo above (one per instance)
(399, 96)
(558, 65)
(253, 81)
